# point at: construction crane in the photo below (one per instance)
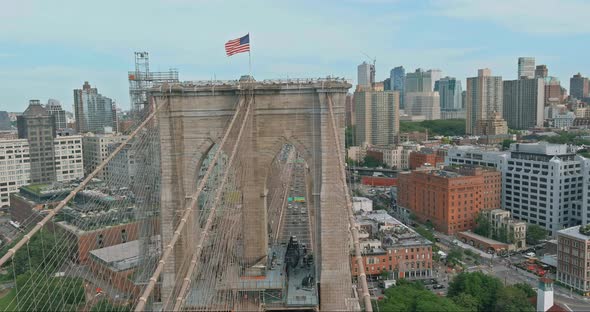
(374, 59)
(372, 71)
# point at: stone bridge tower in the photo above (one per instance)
(194, 118)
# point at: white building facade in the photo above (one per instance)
(96, 150)
(15, 168)
(69, 163)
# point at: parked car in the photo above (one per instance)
(438, 286)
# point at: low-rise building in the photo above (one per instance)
(573, 258)
(393, 248)
(362, 204)
(356, 153)
(425, 156)
(504, 227)
(563, 121)
(97, 217)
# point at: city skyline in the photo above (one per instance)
(49, 50)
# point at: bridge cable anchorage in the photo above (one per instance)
(354, 230)
(75, 191)
(205, 232)
(188, 212)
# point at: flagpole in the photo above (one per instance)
(249, 57)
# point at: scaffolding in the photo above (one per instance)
(142, 79)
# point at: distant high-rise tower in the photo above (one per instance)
(37, 125)
(450, 92)
(541, 71)
(366, 75)
(376, 117)
(422, 81)
(579, 86)
(398, 82)
(426, 104)
(55, 109)
(94, 112)
(5, 121)
(526, 67)
(142, 79)
(524, 102)
(483, 100)
(554, 93)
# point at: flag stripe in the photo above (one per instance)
(235, 46)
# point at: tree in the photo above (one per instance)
(482, 287)
(483, 227)
(512, 299)
(39, 253)
(534, 234)
(455, 255)
(467, 301)
(371, 162)
(526, 288)
(448, 127)
(49, 293)
(413, 297)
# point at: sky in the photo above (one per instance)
(49, 48)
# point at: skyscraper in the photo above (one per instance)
(425, 104)
(553, 91)
(450, 92)
(37, 125)
(93, 111)
(5, 121)
(483, 100)
(524, 102)
(526, 67)
(376, 117)
(579, 86)
(366, 75)
(54, 108)
(422, 81)
(398, 83)
(541, 71)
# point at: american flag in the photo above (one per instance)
(238, 45)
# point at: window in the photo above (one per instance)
(123, 235)
(99, 241)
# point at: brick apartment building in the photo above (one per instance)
(450, 198)
(411, 262)
(425, 155)
(573, 258)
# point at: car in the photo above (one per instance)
(438, 286)
(436, 239)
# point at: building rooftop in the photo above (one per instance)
(542, 148)
(381, 217)
(574, 232)
(120, 257)
(361, 199)
(481, 238)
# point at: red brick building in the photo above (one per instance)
(451, 198)
(419, 158)
(403, 261)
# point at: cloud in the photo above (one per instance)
(528, 16)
